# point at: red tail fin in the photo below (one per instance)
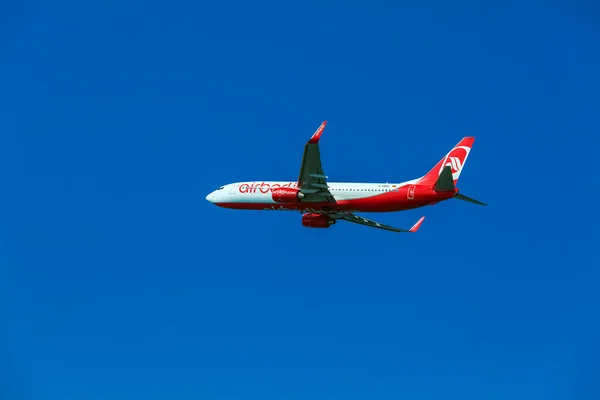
(456, 159)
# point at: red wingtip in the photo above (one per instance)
(317, 135)
(417, 225)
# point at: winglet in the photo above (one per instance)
(317, 135)
(445, 182)
(417, 225)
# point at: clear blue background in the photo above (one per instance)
(119, 280)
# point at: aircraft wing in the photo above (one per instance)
(312, 180)
(363, 221)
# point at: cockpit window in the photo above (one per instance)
(221, 187)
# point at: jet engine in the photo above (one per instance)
(286, 195)
(317, 221)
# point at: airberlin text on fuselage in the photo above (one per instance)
(263, 187)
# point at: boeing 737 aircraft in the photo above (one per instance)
(323, 203)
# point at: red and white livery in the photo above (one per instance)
(323, 203)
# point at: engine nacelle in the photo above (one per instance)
(286, 195)
(317, 221)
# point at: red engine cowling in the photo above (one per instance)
(286, 195)
(317, 221)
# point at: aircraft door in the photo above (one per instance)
(410, 194)
(232, 189)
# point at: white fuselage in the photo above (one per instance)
(260, 191)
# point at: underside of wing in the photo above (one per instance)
(312, 180)
(367, 222)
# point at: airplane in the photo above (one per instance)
(323, 203)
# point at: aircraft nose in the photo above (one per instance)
(210, 197)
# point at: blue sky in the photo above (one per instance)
(118, 280)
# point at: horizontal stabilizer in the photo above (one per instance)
(470, 200)
(444, 182)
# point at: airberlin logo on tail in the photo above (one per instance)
(454, 163)
(456, 159)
